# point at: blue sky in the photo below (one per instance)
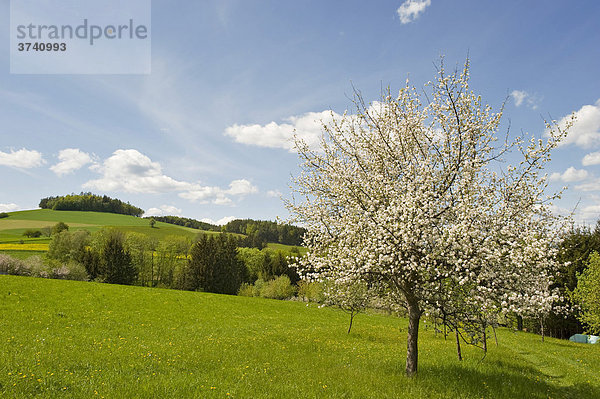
(204, 134)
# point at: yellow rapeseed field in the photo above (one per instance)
(24, 247)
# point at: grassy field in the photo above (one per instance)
(12, 228)
(12, 241)
(284, 247)
(74, 339)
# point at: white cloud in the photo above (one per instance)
(241, 187)
(133, 172)
(585, 132)
(8, 207)
(71, 159)
(522, 97)
(163, 210)
(519, 96)
(274, 193)
(591, 185)
(570, 175)
(219, 222)
(589, 213)
(22, 158)
(217, 195)
(411, 9)
(593, 158)
(307, 127)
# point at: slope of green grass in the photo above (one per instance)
(13, 227)
(285, 247)
(73, 339)
(93, 218)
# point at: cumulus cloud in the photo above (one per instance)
(591, 212)
(308, 127)
(593, 158)
(71, 159)
(410, 10)
(219, 222)
(519, 96)
(585, 132)
(22, 158)
(570, 175)
(217, 195)
(274, 193)
(163, 210)
(590, 185)
(8, 207)
(522, 97)
(241, 187)
(133, 172)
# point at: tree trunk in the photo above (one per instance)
(412, 351)
(352, 314)
(458, 351)
(495, 336)
(484, 332)
(542, 327)
(519, 323)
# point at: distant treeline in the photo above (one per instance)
(260, 232)
(89, 202)
(186, 222)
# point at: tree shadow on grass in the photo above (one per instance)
(497, 379)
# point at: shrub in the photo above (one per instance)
(58, 227)
(3, 215)
(10, 265)
(31, 233)
(36, 267)
(280, 288)
(246, 290)
(258, 286)
(311, 291)
(47, 231)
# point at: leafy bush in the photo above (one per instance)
(258, 286)
(3, 215)
(31, 233)
(246, 290)
(59, 227)
(311, 291)
(280, 288)
(10, 265)
(36, 267)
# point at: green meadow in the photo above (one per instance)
(79, 339)
(13, 227)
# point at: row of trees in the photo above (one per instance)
(186, 222)
(89, 202)
(211, 263)
(260, 232)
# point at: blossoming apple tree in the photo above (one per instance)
(416, 197)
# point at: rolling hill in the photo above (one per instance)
(14, 243)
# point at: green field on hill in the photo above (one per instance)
(13, 242)
(82, 340)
